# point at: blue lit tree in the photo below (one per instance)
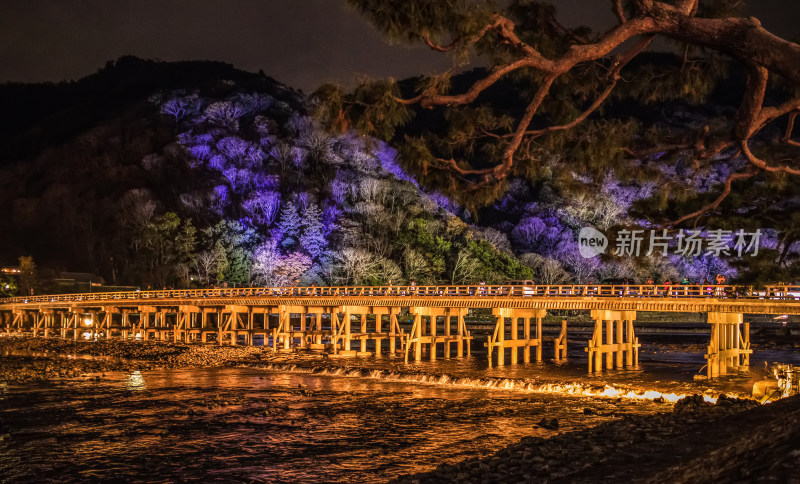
(313, 239)
(289, 226)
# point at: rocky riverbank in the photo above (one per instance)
(38, 359)
(731, 441)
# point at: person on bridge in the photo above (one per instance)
(685, 283)
(720, 282)
(667, 286)
(648, 290)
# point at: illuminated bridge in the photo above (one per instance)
(361, 321)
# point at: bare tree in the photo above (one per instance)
(465, 268)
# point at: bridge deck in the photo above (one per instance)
(691, 298)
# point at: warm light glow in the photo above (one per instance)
(135, 381)
(568, 389)
(87, 322)
(87, 335)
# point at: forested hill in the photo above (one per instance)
(39, 115)
(194, 173)
(227, 180)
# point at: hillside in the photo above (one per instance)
(233, 183)
(178, 174)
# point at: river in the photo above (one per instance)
(367, 420)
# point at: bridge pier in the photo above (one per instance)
(515, 343)
(729, 348)
(621, 349)
(16, 323)
(560, 343)
(42, 321)
(424, 331)
(105, 322)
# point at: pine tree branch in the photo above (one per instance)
(715, 204)
(619, 12)
(465, 40)
(787, 136)
(772, 113)
(621, 61)
(579, 119)
(759, 163)
(751, 107)
(740, 38)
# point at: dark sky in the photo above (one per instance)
(303, 43)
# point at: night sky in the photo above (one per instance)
(302, 43)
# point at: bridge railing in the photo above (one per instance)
(777, 292)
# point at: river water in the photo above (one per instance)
(366, 420)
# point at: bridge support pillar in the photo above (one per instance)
(342, 331)
(621, 345)
(561, 342)
(425, 332)
(395, 332)
(729, 348)
(515, 342)
(42, 321)
(16, 322)
(125, 323)
(104, 323)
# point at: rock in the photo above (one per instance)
(549, 424)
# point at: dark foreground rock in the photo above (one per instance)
(732, 441)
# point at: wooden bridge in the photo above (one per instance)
(361, 321)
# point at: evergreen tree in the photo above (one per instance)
(28, 280)
(237, 242)
(289, 226)
(313, 240)
(168, 246)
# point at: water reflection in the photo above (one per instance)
(261, 425)
(244, 424)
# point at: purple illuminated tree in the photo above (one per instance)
(263, 206)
